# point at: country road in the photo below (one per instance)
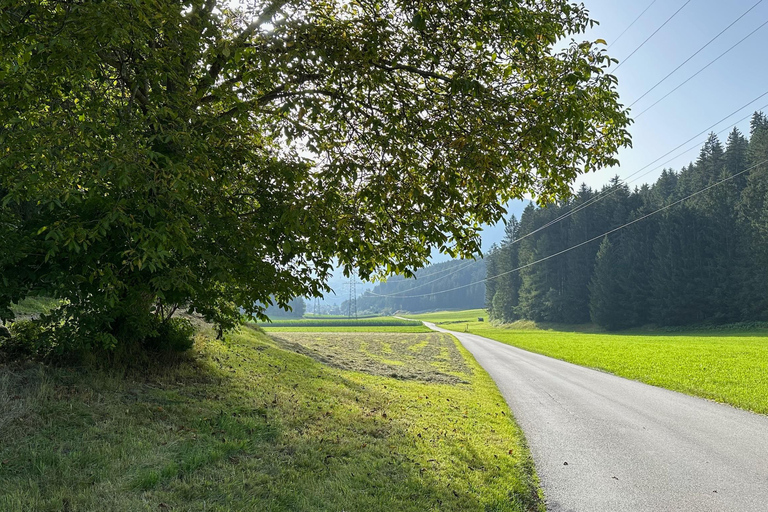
(602, 443)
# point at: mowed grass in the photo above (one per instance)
(727, 365)
(429, 357)
(247, 424)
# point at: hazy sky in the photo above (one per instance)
(731, 82)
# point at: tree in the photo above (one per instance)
(188, 152)
(297, 309)
(504, 279)
(608, 304)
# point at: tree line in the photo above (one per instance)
(704, 260)
(453, 284)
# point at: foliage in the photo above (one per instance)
(607, 289)
(35, 306)
(296, 309)
(191, 153)
(28, 340)
(704, 260)
(246, 425)
(173, 335)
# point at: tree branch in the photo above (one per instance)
(218, 64)
(390, 66)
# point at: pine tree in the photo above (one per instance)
(677, 268)
(608, 289)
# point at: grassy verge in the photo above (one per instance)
(249, 424)
(727, 365)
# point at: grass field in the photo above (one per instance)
(363, 328)
(452, 317)
(379, 321)
(726, 365)
(429, 357)
(250, 424)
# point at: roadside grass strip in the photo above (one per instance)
(247, 424)
(727, 365)
(428, 357)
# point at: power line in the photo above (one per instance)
(696, 53)
(614, 230)
(607, 193)
(651, 36)
(702, 69)
(632, 24)
(394, 295)
(604, 194)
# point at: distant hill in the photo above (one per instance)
(439, 286)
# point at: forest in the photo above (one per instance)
(703, 260)
(455, 284)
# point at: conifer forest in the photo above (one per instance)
(692, 248)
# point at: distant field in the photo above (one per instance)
(247, 424)
(310, 316)
(379, 321)
(451, 317)
(353, 328)
(727, 365)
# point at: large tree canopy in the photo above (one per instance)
(219, 156)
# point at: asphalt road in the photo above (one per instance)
(606, 444)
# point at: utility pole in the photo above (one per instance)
(352, 302)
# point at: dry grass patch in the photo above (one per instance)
(428, 357)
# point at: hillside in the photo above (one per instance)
(445, 285)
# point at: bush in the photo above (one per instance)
(173, 335)
(28, 339)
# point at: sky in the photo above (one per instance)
(728, 84)
(719, 90)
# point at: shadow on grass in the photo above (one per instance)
(242, 425)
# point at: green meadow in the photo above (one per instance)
(728, 365)
(348, 328)
(319, 321)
